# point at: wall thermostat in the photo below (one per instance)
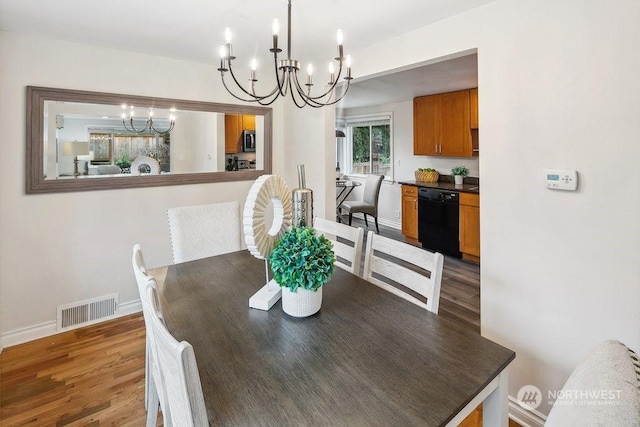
(561, 179)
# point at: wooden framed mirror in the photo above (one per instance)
(82, 141)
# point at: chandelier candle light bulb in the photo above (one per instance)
(227, 41)
(254, 66)
(310, 75)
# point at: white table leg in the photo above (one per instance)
(495, 409)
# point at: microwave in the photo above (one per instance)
(248, 140)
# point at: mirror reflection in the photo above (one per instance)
(79, 140)
(107, 140)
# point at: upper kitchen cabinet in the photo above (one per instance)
(473, 103)
(234, 124)
(442, 125)
(248, 122)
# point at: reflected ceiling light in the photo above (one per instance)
(286, 71)
(148, 124)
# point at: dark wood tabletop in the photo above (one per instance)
(367, 357)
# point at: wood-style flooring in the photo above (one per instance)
(94, 376)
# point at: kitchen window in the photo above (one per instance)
(367, 146)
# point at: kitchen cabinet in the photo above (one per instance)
(470, 226)
(410, 214)
(234, 124)
(442, 125)
(248, 122)
(473, 105)
(232, 133)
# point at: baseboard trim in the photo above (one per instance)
(46, 329)
(525, 417)
(381, 221)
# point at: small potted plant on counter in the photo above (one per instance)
(302, 263)
(459, 173)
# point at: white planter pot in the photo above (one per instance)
(301, 303)
(457, 179)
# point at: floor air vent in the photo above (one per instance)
(86, 312)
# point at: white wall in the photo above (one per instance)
(61, 248)
(558, 88)
(405, 163)
(310, 140)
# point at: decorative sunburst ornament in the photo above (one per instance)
(266, 191)
(151, 164)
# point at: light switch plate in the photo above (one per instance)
(561, 179)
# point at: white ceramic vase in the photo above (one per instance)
(302, 303)
(457, 179)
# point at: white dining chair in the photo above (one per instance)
(204, 230)
(347, 243)
(143, 280)
(178, 370)
(154, 381)
(389, 262)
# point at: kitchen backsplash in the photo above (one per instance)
(408, 165)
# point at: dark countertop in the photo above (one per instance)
(442, 185)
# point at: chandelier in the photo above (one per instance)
(148, 126)
(286, 73)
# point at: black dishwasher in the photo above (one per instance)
(438, 221)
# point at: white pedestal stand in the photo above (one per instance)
(268, 295)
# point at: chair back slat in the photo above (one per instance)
(388, 261)
(408, 278)
(418, 257)
(350, 252)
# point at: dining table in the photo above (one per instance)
(367, 358)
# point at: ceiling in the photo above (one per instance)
(445, 75)
(194, 29)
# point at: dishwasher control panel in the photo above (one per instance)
(561, 179)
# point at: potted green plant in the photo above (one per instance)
(302, 263)
(459, 173)
(123, 161)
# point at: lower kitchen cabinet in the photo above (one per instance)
(470, 226)
(410, 214)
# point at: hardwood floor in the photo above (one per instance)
(93, 376)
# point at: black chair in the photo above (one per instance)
(369, 203)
